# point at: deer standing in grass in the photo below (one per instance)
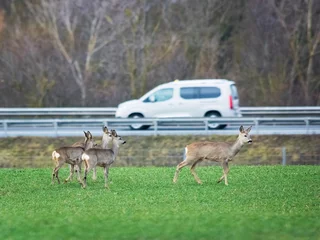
(213, 151)
(72, 156)
(101, 157)
(106, 140)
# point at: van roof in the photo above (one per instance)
(199, 81)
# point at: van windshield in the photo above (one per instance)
(160, 95)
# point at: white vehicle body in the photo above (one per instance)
(185, 98)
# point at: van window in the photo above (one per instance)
(160, 95)
(234, 91)
(199, 92)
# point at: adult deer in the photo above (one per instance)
(105, 143)
(213, 151)
(72, 156)
(101, 157)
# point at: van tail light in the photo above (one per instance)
(230, 102)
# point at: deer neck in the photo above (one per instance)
(105, 145)
(235, 148)
(87, 145)
(115, 149)
(105, 142)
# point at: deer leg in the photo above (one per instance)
(79, 172)
(194, 173)
(180, 165)
(56, 171)
(53, 177)
(220, 179)
(71, 174)
(94, 175)
(106, 172)
(88, 167)
(76, 169)
(225, 172)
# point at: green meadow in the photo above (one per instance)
(261, 202)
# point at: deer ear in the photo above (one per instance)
(89, 134)
(105, 129)
(85, 134)
(248, 129)
(241, 129)
(114, 133)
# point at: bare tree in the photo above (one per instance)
(146, 47)
(102, 52)
(299, 30)
(79, 30)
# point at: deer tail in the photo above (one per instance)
(55, 155)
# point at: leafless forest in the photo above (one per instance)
(98, 53)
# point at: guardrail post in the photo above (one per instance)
(206, 126)
(256, 122)
(155, 124)
(284, 156)
(307, 121)
(5, 128)
(55, 127)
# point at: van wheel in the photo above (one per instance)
(214, 125)
(138, 126)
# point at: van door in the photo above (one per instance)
(195, 100)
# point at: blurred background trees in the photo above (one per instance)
(98, 53)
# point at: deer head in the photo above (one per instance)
(244, 136)
(116, 138)
(89, 142)
(106, 138)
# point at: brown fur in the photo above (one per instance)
(213, 151)
(106, 139)
(72, 156)
(101, 157)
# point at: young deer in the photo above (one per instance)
(101, 157)
(213, 151)
(75, 167)
(106, 140)
(72, 156)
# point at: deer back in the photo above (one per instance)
(214, 151)
(102, 156)
(65, 154)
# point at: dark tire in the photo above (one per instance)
(214, 115)
(138, 126)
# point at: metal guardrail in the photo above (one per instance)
(280, 111)
(57, 111)
(162, 126)
(110, 111)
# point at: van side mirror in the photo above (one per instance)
(152, 98)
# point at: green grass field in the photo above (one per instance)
(266, 202)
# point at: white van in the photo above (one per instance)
(185, 98)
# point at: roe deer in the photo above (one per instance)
(75, 167)
(213, 151)
(101, 157)
(106, 140)
(72, 156)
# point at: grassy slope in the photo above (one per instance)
(269, 202)
(161, 150)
